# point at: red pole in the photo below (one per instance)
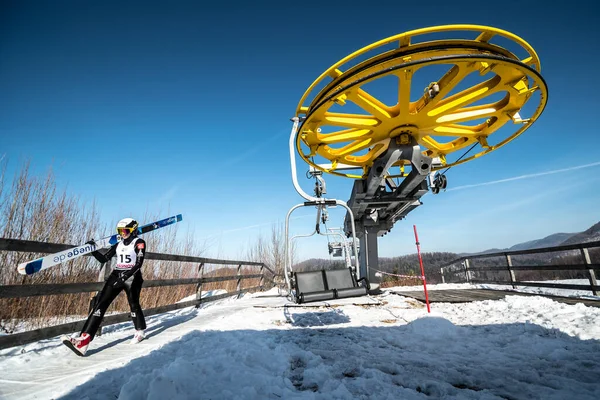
(422, 269)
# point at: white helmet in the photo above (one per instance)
(127, 225)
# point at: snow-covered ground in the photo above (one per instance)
(583, 294)
(376, 347)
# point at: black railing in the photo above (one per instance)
(462, 270)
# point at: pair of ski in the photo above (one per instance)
(42, 263)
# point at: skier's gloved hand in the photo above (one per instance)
(122, 278)
(120, 281)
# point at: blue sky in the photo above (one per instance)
(184, 108)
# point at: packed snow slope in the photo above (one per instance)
(377, 347)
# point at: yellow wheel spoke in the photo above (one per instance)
(351, 148)
(446, 148)
(455, 130)
(468, 114)
(404, 82)
(464, 97)
(343, 136)
(350, 120)
(370, 104)
(448, 82)
(450, 79)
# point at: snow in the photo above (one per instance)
(208, 293)
(582, 294)
(261, 346)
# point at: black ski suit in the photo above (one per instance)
(126, 275)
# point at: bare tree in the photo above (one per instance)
(271, 250)
(32, 209)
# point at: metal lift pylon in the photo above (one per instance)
(396, 152)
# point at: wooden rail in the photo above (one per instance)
(463, 269)
(16, 291)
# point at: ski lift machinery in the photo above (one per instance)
(395, 153)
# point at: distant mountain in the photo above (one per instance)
(590, 235)
(494, 250)
(555, 239)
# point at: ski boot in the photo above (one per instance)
(79, 344)
(138, 337)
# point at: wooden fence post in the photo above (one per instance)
(262, 277)
(239, 281)
(592, 276)
(199, 287)
(511, 273)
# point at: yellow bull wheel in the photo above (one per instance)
(452, 111)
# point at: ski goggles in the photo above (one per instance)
(124, 231)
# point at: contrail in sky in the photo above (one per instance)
(557, 171)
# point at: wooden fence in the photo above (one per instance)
(266, 276)
(570, 258)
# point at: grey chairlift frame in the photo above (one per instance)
(311, 202)
(343, 244)
(347, 254)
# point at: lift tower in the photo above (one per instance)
(392, 115)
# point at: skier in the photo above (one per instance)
(127, 275)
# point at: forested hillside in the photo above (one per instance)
(433, 261)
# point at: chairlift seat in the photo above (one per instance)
(326, 285)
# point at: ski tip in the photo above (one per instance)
(30, 268)
(33, 267)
